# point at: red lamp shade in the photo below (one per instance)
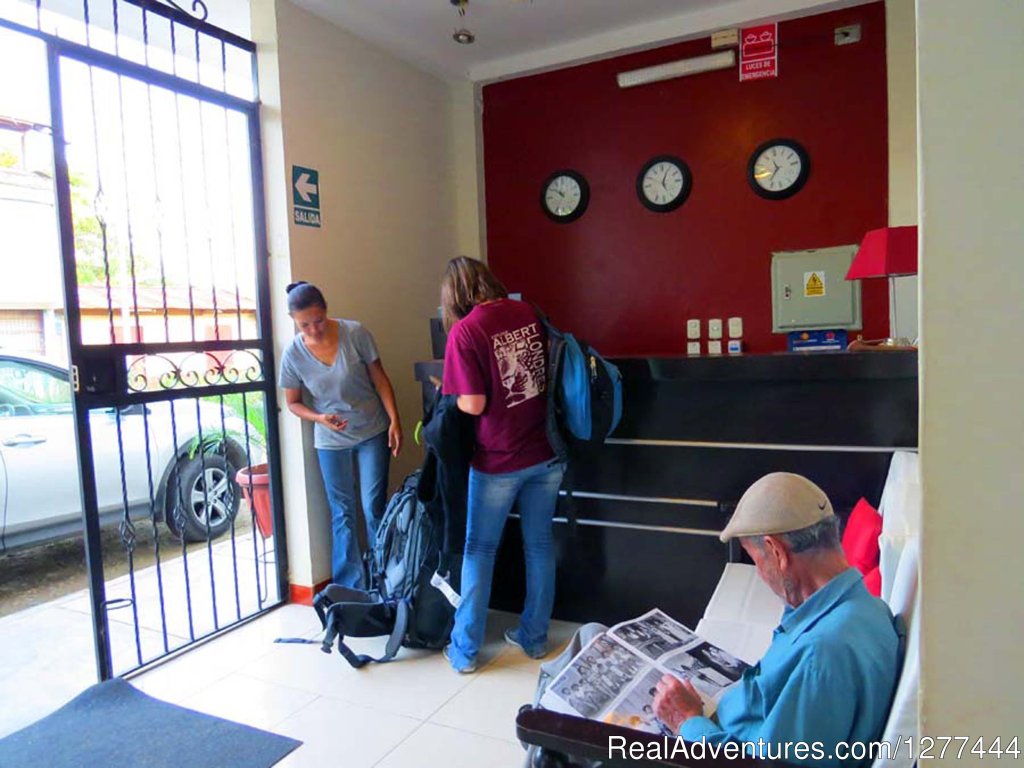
(886, 252)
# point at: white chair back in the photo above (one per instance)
(900, 544)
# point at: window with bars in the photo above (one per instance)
(21, 330)
(163, 35)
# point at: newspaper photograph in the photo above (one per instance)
(614, 677)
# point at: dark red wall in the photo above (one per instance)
(627, 279)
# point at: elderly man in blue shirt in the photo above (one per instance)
(830, 671)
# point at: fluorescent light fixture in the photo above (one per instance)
(681, 68)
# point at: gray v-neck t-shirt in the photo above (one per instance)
(344, 388)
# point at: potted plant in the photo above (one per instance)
(255, 484)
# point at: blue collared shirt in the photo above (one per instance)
(827, 677)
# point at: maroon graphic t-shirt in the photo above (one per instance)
(500, 350)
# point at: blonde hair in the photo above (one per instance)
(466, 283)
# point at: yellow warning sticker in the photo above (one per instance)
(814, 283)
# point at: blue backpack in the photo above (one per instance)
(584, 394)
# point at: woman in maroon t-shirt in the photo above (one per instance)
(496, 364)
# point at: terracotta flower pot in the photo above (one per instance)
(255, 484)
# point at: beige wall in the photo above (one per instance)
(380, 132)
(467, 147)
(972, 194)
(901, 73)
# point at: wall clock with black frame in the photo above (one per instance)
(778, 169)
(664, 183)
(564, 196)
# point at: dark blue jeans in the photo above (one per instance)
(533, 491)
(338, 468)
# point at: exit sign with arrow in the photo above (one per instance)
(306, 196)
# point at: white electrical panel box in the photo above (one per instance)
(810, 290)
(693, 347)
(693, 329)
(715, 328)
(714, 347)
(735, 327)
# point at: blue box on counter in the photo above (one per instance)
(817, 341)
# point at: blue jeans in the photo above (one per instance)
(372, 459)
(533, 491)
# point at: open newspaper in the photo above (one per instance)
(614, 677)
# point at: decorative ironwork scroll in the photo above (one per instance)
(199, 9)
(153, 373)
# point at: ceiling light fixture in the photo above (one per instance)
(462, 36)
(681, 68)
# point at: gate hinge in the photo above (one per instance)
(74, 379)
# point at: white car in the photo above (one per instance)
(192, 491)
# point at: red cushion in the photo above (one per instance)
(873, 581)
(860, 539)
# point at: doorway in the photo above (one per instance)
(136, 367)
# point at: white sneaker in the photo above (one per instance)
(468, 670)
(511, 639)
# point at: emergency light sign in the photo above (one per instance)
(759, 54)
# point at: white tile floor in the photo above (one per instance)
(411, 713)
(415, 711)
(46, 652)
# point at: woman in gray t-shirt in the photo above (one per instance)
(352, 406)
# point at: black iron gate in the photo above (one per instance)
(158, 180)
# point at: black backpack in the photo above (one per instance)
(407, 600)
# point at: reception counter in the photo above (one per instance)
(695, 433)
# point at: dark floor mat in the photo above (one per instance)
(113, 724)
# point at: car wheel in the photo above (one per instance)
(202, 497)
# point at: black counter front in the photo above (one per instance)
(695, 433)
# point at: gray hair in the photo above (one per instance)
(824, 534)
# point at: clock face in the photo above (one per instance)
(778, 169)
(663, 184)
(564, 196)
